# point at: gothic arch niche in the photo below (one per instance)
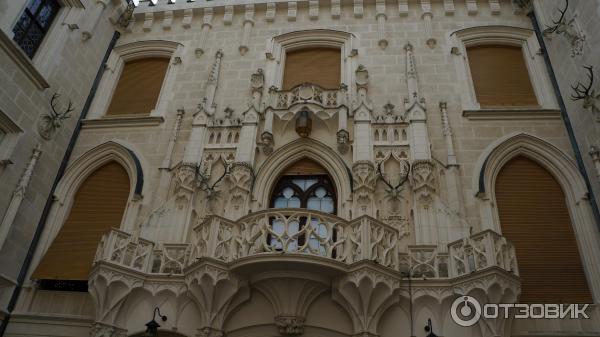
(269, 173)
(98, 205)
(76, 175)
(563, 170)
(534, 216)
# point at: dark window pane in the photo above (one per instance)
(34, 5)
(34, 23)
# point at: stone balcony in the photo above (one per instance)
(308, 237)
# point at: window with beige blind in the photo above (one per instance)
(534, 216)
(321, 66)
(97, 207)
(500, 76)
(139, 87)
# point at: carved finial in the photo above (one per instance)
(408, 47)
(219, 54)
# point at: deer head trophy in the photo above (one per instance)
(393, 191)
(50, 122)
(587, 93)
(211, 190)
(566, 27)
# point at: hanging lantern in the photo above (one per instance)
(152, 326)
(303, 124)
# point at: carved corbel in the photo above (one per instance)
(290, 298)
(343, 141)
(217, 292)
(366, 294)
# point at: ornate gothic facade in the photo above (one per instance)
(287, 168)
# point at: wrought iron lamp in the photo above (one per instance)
(303, 124)
(152, 326)
(429, 329)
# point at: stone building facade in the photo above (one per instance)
(257, 192)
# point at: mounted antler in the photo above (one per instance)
(587, 93)
(559, 24)
(581, 91)
(394, 190)
(210, 189)
(59, 116)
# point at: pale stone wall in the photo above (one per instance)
(64, 64)
(454, 210)
(569, 70)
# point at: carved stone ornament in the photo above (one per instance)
(105, 330)
(267, 143)
(423, 181)
(343, 141)
(185, 178)
(290, 325)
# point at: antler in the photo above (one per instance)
(205, 186)
(60, 115)
(386, 182)
(581, 91)
(560, 20)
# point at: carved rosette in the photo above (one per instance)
(290, 325)
(104, 330)
(423, 181)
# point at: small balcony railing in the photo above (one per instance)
(304, 232)
(308, 93)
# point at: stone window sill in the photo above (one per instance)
(122, 121)
(511, 114)
(22, 61)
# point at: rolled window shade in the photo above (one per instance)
(500, 76)
(534, 216)
(98, 206)
(321, 66)
(138, 87)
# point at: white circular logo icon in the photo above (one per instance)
(465, 311)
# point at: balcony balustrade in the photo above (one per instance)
(302, 232)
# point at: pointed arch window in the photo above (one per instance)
(534, 216)
(98, 206)
(303, 185)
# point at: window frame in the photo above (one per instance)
(278, 47)
(9, 141)
(508, 36)
(114, 68)
(33, 17)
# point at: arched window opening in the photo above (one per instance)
(534, 216)
(305, 184)
(139, 87)
(320, 66)
(97, 207)
(500, 76)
